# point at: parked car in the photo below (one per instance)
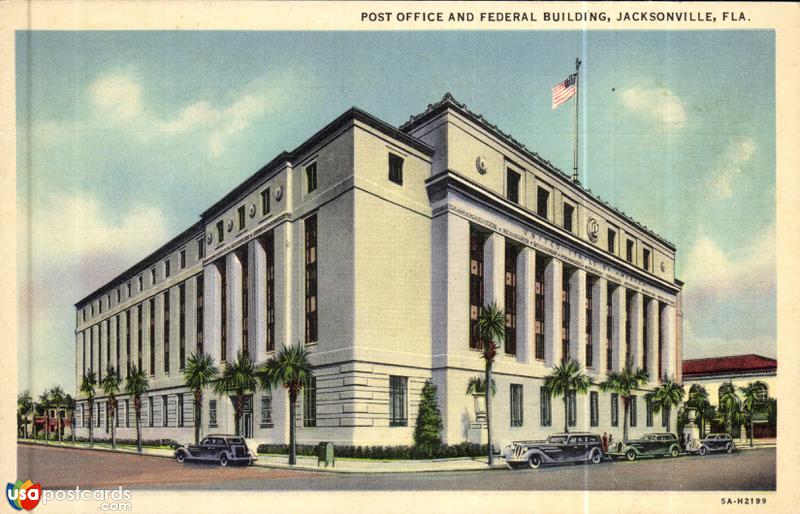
(557, 449)
(649, 445)
(222, 448)
(713, 443)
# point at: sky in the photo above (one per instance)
(124, 138)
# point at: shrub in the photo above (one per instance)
(401, 452)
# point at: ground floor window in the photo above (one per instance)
(180, 410)
(127, 413)
(516, 405)
(572, 400)
(632, 409)
(614, 410)
(665, 412)
(266, 411)
(150, 403)
(649, 407)
(310, 403)
(545, 409)
(398, 397)
(594, 413)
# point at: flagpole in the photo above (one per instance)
(577, 100)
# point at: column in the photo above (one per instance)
(636, 313)
(552, 308)
(283, 288)
(494, 249)
(258, 301)
(669, 340)
(112, 334)
(577, 315)
(526, 273)
(651, 311)
(618, 331)
(599, 292)
(234, 296)
(174, 341)
(212, 311)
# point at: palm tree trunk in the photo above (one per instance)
(138, 428)
(566, 413)
(624, 419)
(292, 442)
(489, 410)
(198, 418)
(114, 425)
(751, 429)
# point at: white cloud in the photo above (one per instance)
(729, 167)
(656, 104)
(118, 94)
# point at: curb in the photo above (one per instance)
(107, 450)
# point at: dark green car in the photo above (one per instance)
(649, 445)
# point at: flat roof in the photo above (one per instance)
(748, 363)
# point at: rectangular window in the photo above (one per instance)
(127, 343)
(241, 216)
(139, 335)
(396, 169)
(166, 268)
(119, 295)
(91, 349)
(201, 248)
(243, 260)
(511, 299)
(310, 403)
(311, 278)
(152, 275)
(141, 283)
(84, 314)
(182, 326)
(614, 410)
(665, 412)
(182, 258)
(612, 241)
(539, 308)
(220, 231)
(476, 240)
(152, 335)
(100, 306)
(545, 411)
(628, 311)
(565, 314)
(311, 177)
(649, 411)
(212, 413)
(542, 200)
(609, 325)
(646, 259)
(116, 341)
(151, 406)
(266, 411)
(127, 291)
(179, 411)
(660, 346)
(269, 250)
(199, 313)
(632, 411)
(569, 215)
(512, 185)
(165, 338)
(629, 250)
(164, 411)
(127, 414)
(645, 336)
(572, 402)
(265, 199)
(223, 274)
(398, 397)
(594, 409)
(589, 306)
(516, 405)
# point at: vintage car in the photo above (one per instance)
(557, 449)
(712, 443)
(222, 448)
(649, 445)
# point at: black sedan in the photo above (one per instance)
(221, 448)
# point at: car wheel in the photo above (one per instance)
(180, 457)
(535, 461)
(223, 460)
(703, 450)
(674, 452)
(728, 449)
(596, 457)
(630, 455)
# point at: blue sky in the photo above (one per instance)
(125, 137)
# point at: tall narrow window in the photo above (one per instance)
(476, 241)
(167, 270)
(91, 349)
(512, 185)
(629, 250)
(614, 410)
(117, 343)
(212, 413)
(511, 299)
(151, 405)
(311, 177)
(127, 291)
(99, 352)
(152, 275)
(396, 169)
(182, 326)
(108, 342)
(310, 403)
(665, 414)
(589, 307)
(179, 410)
(141, 283)
(542, 200)
(612, 241)
(646, 259)
(645, 337)
(269, 243)
(594, 410)
(199, 313)
(240, 215)
(243, 259)
(220, 231)
(649, 411)
(311, 278)
(127, 343)
(127, 414)
(539, 308)
(660, 368)
(119, 295)
(569, 217)
(516, 405)
(398, 398)
(139, 342)
(572, 402)
(545, 409)
(201, 248)
(265, 201)
(609, 326)
(223, 274)
(165, 338)
(266, 411)
(628, 311)
(83, 353)
(165, 410)
(565, 314)
(152, 335)
(182, 258)
(632, 410)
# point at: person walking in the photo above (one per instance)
(605, 442)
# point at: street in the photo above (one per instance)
(59, 468)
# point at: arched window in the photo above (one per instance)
(763, 391)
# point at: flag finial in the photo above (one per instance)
(577, 63)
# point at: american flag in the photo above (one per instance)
(564, 90)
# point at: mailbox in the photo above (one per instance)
(325, 454)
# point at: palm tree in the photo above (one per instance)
(698, 400)
(665, 396)
(729, 405)
(566, 378)
(492, 329)
(69, 405)
(87, 389)
(110, 386)
(24, 407)
(624, 382)
(292, 369)
(200, 373)
(56, 394)
(238, 377)
(44, 402)
(753, 402)
(136, 384)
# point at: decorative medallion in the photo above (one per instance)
(209, 237)
(480, 165)
(252, 210)
(663, 267)
(230, 225)
(278, 193)
(592, 229)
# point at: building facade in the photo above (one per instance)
(375, 247)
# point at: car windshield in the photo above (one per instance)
(207, 440)
(557, 439)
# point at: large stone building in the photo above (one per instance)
(375, 247)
